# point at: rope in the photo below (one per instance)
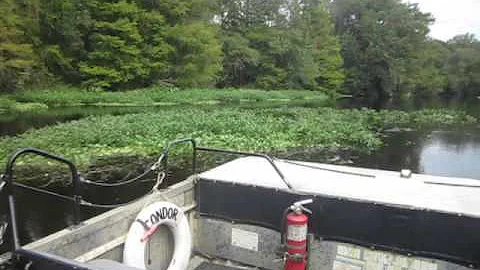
(109, 206)
(160, 178)
(118, 183)
(155, 189)
(48, 183)
(42, 191)
(325, 169)
(152, 168)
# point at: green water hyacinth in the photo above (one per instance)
(157, 96)
(256, 130)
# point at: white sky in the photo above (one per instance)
(452, 17)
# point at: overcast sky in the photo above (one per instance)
(452, 17)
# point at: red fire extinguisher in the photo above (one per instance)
(295, 235)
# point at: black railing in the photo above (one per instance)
(76, 199)
(195, 149)
(8, 178)
(166, 152)
(268, 158)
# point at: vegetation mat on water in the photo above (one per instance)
(259, 129)
(64, 96)
(8, 106)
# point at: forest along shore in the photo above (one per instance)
(374, 49)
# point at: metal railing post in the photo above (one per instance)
(8, 178)
(166, 152)
(268, 158)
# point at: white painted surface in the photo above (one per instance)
(244, 239)
(419, 191)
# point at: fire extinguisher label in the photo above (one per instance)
(297, 232)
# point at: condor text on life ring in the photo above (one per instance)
(144, 227)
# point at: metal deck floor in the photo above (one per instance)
(212, 266)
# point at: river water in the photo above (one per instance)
(445, 152)
(453, 152)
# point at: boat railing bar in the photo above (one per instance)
(195, 149)
(166, 152)
(8, 178)
(267, 157)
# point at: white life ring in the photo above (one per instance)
(145, 225)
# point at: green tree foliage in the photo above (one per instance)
(325, 54)
(154, 49)
(125, 44)
(18, 62)
(196, 61)
(371, 48)
(190, 42)
(425, 70)
(240, 60)
(279, 44)
(64, 26)
(377, 39)
(463, 66)
(113, 58)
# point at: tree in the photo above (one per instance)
(425, 70)
(123, 44)
(113, 58)
(253, 43)
(194, 55)
(154, 49)
(18, 62)
(64, 25)
(377, 37)
(240, 60)
(325, 46)
(196, 60)
(463, 66)
(280, 44)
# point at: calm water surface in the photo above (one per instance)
(451, 152)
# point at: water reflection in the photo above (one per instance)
(468, 105)
(401, 150)
(13, 124)
(453, 153)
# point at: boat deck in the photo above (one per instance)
(235, 213)
(200, 263)
(212, 266)
(452, 195)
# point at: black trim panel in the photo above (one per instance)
(432, 234)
